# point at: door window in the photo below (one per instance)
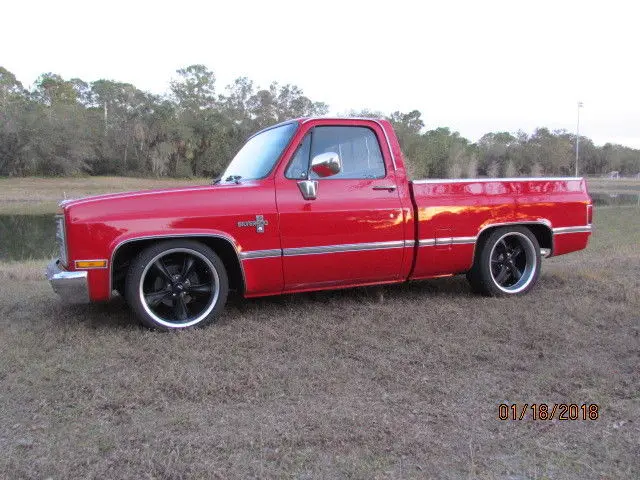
(357, 147)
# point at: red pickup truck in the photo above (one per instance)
(311, 204)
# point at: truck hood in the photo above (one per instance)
(128, 195)
(180, 202)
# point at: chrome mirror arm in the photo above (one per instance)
(308, 189)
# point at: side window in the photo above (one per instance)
(300, 162)
(357, 147)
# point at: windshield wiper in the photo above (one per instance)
(233, 178)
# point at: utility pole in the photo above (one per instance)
(580, 105)
(105, 118)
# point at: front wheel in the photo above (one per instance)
(506, 263)
(176, 284)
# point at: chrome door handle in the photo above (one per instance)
(391, 188)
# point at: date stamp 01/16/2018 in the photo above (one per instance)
(550, 411)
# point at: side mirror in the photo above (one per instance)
(308, 189)
(326, 164)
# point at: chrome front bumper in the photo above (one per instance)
(72, 287)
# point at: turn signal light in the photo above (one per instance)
(91, 264)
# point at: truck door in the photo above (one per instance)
(352, 232)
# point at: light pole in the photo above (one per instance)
(580, 105)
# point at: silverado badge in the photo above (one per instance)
(259, 223)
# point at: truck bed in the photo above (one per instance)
(453, 215)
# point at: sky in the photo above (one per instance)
(472, 66)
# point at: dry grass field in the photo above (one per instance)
(335, 384)
(33, 195)
(621, 185)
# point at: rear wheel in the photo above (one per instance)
(176, 284)
(506, 263)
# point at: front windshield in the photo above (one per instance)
(258, 156)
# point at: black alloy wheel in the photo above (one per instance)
(177, 284)
(506, 263)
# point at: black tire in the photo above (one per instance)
(176, 284)
(506, 263)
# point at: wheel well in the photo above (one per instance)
(543, 235)
(541, 231)
(223, 248)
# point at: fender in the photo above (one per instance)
(540, 221)
(130, 237)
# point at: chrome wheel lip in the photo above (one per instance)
(210, 306)
(530, 268)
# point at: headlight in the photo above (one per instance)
(61, 238)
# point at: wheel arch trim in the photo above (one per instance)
(541, 221)
(170, 236)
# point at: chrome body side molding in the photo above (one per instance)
(576, 229)
(276, 252)
(463, 240)
(430, 242)
(350, 247)
(496, 179)
(319, 249)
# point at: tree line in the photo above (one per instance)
(72, 127)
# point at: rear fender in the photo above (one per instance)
(541, 228)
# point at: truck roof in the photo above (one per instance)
(302, 120)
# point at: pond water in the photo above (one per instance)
(23, 237)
